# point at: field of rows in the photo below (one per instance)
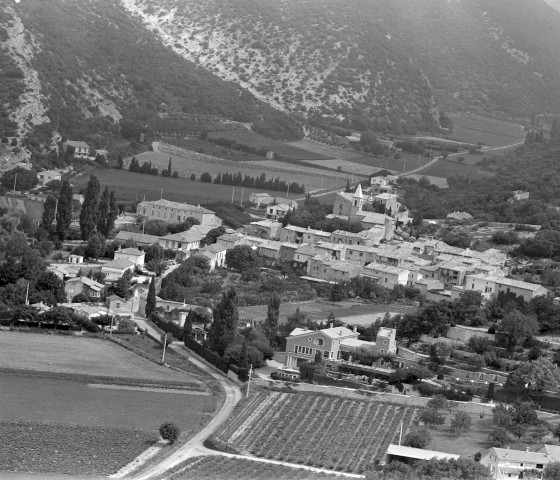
(473, 128)
(333, 433)
(69, 449)
(349, 166)
(186, 162)
(220, 468)
(131, 186)
(254, 140)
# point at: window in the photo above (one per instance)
(319, 341)
(326, 354)
(384, 342)
(539, 465)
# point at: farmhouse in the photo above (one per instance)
(115, 269)
(302, 345)
(85, 286)
(277, 211)
(81, 149)
(264, 228)
(387, 276)
(519, 196)
(175, 212)
(185, 241)
(215, 254)
(47, 176)
(140, 239)
(507, 463)
(132, 254)
(491, 285)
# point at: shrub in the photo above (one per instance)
(170, 432)
(418, 438)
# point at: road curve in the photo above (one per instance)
(195, 444)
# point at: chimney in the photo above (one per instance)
(331, 325)
(355, 329)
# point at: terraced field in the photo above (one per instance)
(325, 432)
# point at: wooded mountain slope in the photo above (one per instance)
(392, 64)
(98, 66)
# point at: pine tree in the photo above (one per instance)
(103, 212)
(88, 215)
(271, 322)
(64, 211)
(48, 213)
(223, 328)
(151, 299)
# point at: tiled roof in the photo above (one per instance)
(131, 251)
(177, 205)
(119, 264)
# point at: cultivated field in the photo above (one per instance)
(69, 449)
(220, 468)
(197, 164)
(348, 166)
(62, 401)
(252, 139)
(319, 311)
(326, 432)
(322, 149)
(133, 186)
(81, 356)
(446, 168)
(472, 128)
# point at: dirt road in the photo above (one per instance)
(195, 445)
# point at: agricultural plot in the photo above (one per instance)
(219, 468)
(192, 162)
(254, 140)
(348, 166)
(472, 128)
(134, 186)
(319, 311)
(446, 168)
(81, 356)
(69, 449)
(325, 432)
(322, 149)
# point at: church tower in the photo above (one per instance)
(357, 201)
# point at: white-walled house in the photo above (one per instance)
(505, 463)
(387, 276)
(47, 176)
(491, 285)
(131, 254)
(115, 269)
(81, 149)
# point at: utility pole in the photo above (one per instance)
(249, 384)
(242, 189)
(112, 318)
(164, 347)
(288, 192)
(321, 182)
(232, 194)
(15, 181)
(400, 434)
(27, 294)
(404, 166)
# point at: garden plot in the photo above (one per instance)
(348, 166)
(318, 431)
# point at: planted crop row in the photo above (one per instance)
(219, 468)
(334, 433)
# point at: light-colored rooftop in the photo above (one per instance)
(419, 453)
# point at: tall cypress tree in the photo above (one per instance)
(554, 132)
(222, 331)
(112, 214)
(88, 215)
(48, 213)
(151, 299)
(103, 212)
(169, 168)
(271, 322)
(64, 211)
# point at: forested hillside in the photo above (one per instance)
(101, 71)
(388, 65)
(535, 169)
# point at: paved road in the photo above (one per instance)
(194, 446)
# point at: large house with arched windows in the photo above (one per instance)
(334, 343)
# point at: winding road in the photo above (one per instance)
(195, 446)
